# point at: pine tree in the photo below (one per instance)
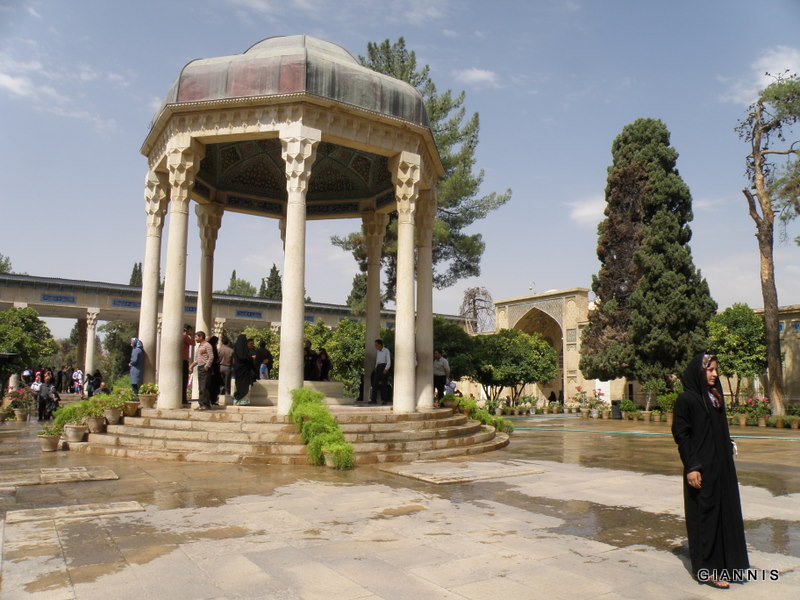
(357, 300)
(456, 254)
(238, 287)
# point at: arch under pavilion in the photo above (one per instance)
(292, 129)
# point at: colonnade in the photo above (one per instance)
(168, 186)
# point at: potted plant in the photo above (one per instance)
(20, 402)
(627, 407)
(49, 437)
(655, 415)
(740, 414)
(666, 402)
(72, 418)
(450, 401)
(759, 408)
(93, 416)
(148, 394)
(5, 413)
(113, 404)
(793, 420)
(130, 403)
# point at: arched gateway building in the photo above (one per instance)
(292, 129)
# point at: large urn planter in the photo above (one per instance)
(96, 424)
(112, 415)
(606, 413)
(147, 401)
(762, 421)
(669, 418)
(21, 414)
(742, 419)
(49, 443)
(646, 416)
(130, 409)
(585, 413)
(75, 433)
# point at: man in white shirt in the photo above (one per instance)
(383, 362)
(441, 372)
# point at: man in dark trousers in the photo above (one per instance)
(383, 362)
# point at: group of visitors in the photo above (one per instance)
(66, 380)
(316, 365)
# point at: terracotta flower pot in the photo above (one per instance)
(130, 409)
(49, 443)
(147, 400)
(21, 414)
(113, 415)
(75, 433)
(96, 424)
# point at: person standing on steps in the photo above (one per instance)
(379, 380)
(204, 360)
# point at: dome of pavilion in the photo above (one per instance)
(285, 65)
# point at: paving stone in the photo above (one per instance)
(71, 512)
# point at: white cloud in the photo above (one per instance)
(773, 61)
(449, 33)
(477, 77)
(588, 212)
(19, 86)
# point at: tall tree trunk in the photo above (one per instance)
(769, 293)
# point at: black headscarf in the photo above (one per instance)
(694, 380)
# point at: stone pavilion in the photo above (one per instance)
(292, 129)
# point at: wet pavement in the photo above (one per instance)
(570, 509)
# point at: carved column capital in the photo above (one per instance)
(155, 200)
(183, 162)
(91, 318)
(209, 220)
(405, 171)
(299, 150)
(373, 225)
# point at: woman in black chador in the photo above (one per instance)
(243, 370)
(710, 490)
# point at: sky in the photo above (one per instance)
(554, 82)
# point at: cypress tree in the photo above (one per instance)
(606, 347)
(274, 287)
(671, 304)
(652, 303)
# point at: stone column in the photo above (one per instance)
(183, 160)
(426, 213)
(405, 170)
(374, 227)
(81, 350)
(158, 345)
(209, 219)
(91, 334)
(155, 206)
(298, 148)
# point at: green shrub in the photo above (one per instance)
(667, 401)
(148, 388)
(496, 421)
(52, 429)
(627, 406)
(343, 457)
(70, 414)
(319, 429)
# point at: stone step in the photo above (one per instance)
(221, 447)
(189, 456)
(283, 435)
(499, 440)
(414, 435)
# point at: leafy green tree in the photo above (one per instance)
(512, 358)
(239, 287)
(456, 345)
(738, 338)
(767, 124)
(136, 275)
(23, 333)
(317, 333)
(346, 351)
(272, 286)
(5, 264)
(606, 349)
(456, 253)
